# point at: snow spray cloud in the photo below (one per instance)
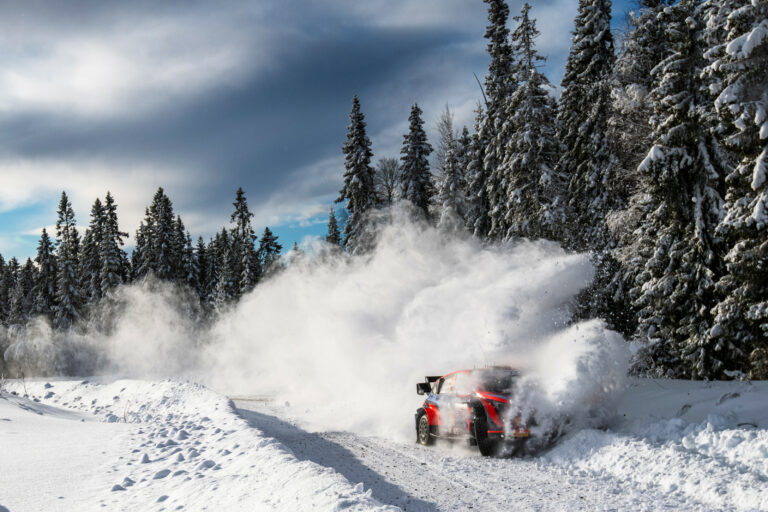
(345, 341)
(144, 330)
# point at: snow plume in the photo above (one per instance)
(344, 342)
(345, 339)
(145, 329)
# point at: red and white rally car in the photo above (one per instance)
(473, 405)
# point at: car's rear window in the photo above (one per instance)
(496, 381)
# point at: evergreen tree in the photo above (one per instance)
(226, 280)
(740, 62)
(269, 251)
(476, 177)
(45, 287)
(68, 295)
(161, 224)
(178, 251)
(534, 194)
(416, 180)
(213, 253)
(203, 265)
(112, 271)
(644, 47)
(359, 191)
(7, 287)
(190, 265)
(141, 257)
(21, 297)
(681, 175)
(585, 107)
(334, 235)
(5, 291)
(451, 190)
(90, 260)
(243, 240)
(494, 130)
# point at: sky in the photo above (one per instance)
(204, 97)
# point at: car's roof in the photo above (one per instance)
(483, 369)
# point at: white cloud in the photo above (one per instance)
(129, 65)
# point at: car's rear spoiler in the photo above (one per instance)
(425, 388)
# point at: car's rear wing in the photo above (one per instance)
(425, 388)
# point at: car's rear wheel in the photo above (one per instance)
(423, 431)
(488, 447)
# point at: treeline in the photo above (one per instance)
(653, 160)
(71, 275)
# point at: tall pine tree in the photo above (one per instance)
(415, 178)
(359, 190)
(585, 107)
(535, 189)
(740, 62)
(69, 300)
(45, 287)
(681, 175)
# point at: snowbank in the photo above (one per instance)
(704, 440)
(157, 445)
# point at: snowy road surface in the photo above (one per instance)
(144, 445)
(445, 477)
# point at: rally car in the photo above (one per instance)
(473, 405)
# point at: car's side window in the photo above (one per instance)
(447, 386)
(462, 385)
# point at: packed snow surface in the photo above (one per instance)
(139, 445)
(148, 445)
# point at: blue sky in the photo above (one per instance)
(204, 97)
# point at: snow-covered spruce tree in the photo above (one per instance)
(243, 244)
(334, 235)
(582, 122)
(178, 249)
(69, 299)
(44, 301)
(464, 146)
(226, 280)
(10, 273)
(161, 224)
(387, 180)
(644, 47)
(450, 191)
(203, 265)
(21, 296)
(141, 257)
(4, 291)
(535, 199)
(449, 180)
(269, 251)
(190, 265)
(741, 316)
(494, 129)
(476, 179)
(90, 260)
(447, 137)
(682, 175)
(112, 271)
(415, 178)
(359, 190)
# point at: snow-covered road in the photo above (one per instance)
(451, 477)
(169, 445)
